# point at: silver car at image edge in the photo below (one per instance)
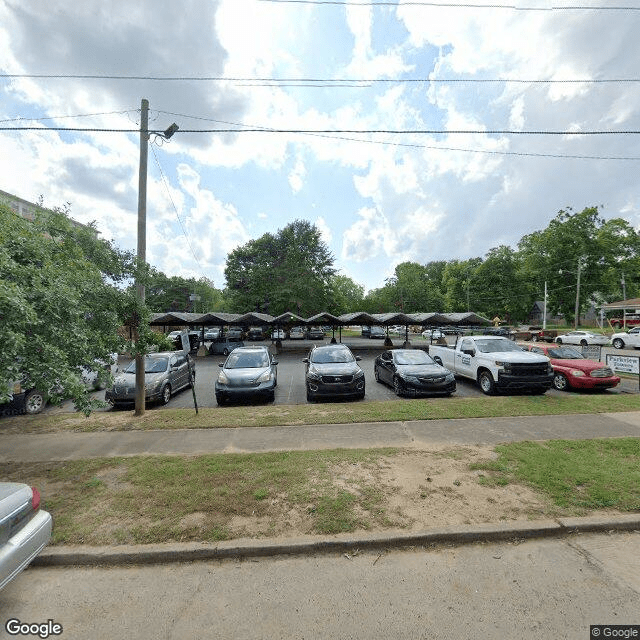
(25, 529)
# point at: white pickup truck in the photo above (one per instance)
(496, 363)
(630, 339)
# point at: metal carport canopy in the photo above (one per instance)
(621, 305)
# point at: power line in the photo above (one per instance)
(458, 5)
(514, 132)
(175, 209)
(424, 146)
(325, 82)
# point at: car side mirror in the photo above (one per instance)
(221, 364)
(438, 360)
(358, 358)
(305, 360)
(274, 362)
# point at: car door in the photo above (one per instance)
(464, 364)
(386, 367)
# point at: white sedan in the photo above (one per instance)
(630, 338)
(582, 338)
(434, 334)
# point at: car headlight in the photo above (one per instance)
(450, 377)
(312, 374)
(222, 378)
(266, 376)
(505, 365)
(359, 374)
(576, 373)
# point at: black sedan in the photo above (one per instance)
(332, 370)
(413, 372)
(248, 372)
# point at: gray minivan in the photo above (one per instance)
(164, 374)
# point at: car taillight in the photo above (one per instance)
(35, 500)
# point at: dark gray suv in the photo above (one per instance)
(332, 370)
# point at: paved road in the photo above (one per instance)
(550, 588)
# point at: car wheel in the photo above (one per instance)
(225, 352)
(166, 394)
(583, 343)
(376, 374)
(397, 386)
(34, 402)
(560, 382)
(559, 340)
(618, 343)
(485, 380)
(534, 338)
(616, 325)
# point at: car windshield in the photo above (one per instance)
(564, 353)
(151, 365)
(412, 357)
(325, 356)
(493, 346)
(247, 360)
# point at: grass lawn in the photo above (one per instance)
(325, 413)
(584, 474)
(153, 499)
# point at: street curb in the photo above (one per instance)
(250, 548)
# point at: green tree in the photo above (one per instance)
(461, 290)
(601, 250)
(173, 293)
(60, 308)
(290, 270)
(345, 295)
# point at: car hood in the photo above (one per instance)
(525, 357)
(421, 370)
(241, 376)
(335, 368)
(129, 379)
(581, 365)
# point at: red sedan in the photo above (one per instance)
(572, 370)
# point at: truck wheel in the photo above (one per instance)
(485, 380)
(560, 382)
(34, 402)
(618, 343)
(583, 343)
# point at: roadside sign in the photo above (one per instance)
(186, 345)
(592, 352)
(624, 364)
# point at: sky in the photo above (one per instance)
(405, 129)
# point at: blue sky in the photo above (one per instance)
(378, 198)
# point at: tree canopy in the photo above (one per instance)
(62, 300)
(290, 270)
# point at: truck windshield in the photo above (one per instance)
(494, 346)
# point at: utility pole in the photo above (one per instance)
(578, 295)
(544, 309)
(142, 245)
(624, 297)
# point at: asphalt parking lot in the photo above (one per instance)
(291, 370)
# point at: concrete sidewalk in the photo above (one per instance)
(417, 434)
(414, 434)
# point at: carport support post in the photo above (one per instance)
(142, 243)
